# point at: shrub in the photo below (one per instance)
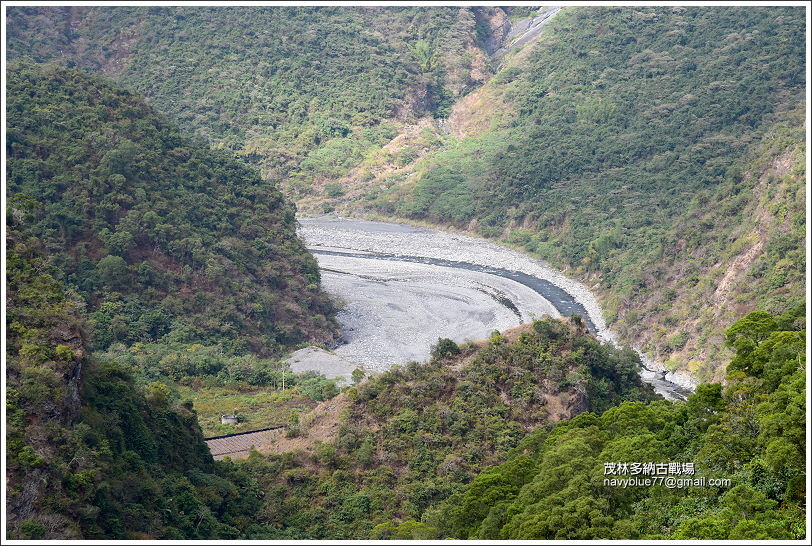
(31, 530)
(334, 189)
(63, 353)
(444, 348)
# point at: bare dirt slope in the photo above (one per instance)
(319, 425)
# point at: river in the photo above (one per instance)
(402, 287)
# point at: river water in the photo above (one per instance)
(403, 287)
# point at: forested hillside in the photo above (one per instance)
(90, 453)
(120, 231)
(155, 280)
(751, 431)
(509, 439)
(300, 91)
(159, 237)
(418, 433)
(123, 452)
(656, 152)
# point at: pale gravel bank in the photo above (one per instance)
(333, 233)
(329, 233)
(330, 365)
(394, 311)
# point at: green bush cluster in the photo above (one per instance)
(181, 363)
(423, 430)
(750, 431)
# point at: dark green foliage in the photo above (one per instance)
(751, 431)
(154, 474)
(416, 434)
(30, 530)
(334, 190)
(300, 91)
(646, 146)
(358, 375)
(158, 235)
(91, 455)
(181, 363)
(596, 122)
(444, 348)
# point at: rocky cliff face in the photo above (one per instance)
(45, 357)
(525, 30)
(70, 371)
(497, 23)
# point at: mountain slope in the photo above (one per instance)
(158, 235)
(601, 146)
(273, 84)
(657, 153)
(608, 146)
(738, 247)
(560, 485)
(90, 454)
(416, 434)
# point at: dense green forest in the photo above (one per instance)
(416, 434)
(139, 263)
(90, 453)
(155, 280)
(644, 149)
(122, 233)
(161, 238)
(300, 91)
(415, 455)
(751, 430)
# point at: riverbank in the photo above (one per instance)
(394, 310)
(371, 241)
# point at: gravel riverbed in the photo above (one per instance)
(396, 307)
(394, 311)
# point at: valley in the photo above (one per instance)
(405, 272)
(403, 287)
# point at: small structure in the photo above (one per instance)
(229, 419)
